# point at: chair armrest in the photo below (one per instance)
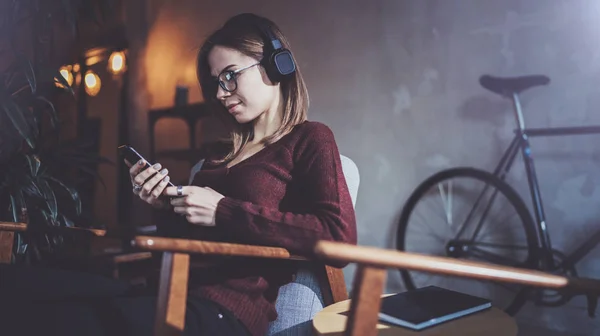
(370, 277)
(13, 227)
(162, 244)
(383, 258)
(22, 227)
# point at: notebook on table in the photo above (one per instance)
(429, 306)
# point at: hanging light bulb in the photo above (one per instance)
(92, 83)
(116, 63)
(65, 72)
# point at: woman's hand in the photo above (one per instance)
(149, 189)
(198, 204)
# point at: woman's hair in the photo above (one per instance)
(243, 33)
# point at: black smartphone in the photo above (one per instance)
(131, 155)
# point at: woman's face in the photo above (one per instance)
(254, 93)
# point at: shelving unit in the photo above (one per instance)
(191, 114)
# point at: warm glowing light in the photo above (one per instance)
(66, 74)
(116, 62)
(92, 83)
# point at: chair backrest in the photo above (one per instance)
(299, 301)
(352, 176)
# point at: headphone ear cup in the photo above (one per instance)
(284, 62)
(279, 64)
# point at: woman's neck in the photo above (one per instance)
(269, 122)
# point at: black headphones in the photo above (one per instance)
(277, 60)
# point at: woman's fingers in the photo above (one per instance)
(180, 201)
(141, 177)
(188, 211)
(160, 186)
(185, 190)
(152, 183)
(135, 169)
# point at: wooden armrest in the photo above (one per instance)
(131, 257)
(22, 227)
(372, 262)
(383, 258)
(8, 226)
(210, 248)
(94, 232)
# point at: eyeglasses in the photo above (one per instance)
(228, 79)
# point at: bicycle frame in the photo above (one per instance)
(520, 143)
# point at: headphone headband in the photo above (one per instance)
(267, 32)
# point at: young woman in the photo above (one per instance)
(278, 183)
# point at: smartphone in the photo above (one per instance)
(131, 155)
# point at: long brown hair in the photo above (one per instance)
(243, 33)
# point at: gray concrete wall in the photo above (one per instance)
(397, 81)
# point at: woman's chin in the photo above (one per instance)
(241, 119)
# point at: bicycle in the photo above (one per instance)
(535, 251)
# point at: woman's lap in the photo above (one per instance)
(37, 301)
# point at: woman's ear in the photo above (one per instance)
(265, 76)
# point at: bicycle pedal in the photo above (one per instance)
(592, 302)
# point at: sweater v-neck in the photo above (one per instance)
(265, 149)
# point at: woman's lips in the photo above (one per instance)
(233, 107)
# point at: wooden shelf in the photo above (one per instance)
(190, 114)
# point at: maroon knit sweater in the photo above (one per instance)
(290, 194)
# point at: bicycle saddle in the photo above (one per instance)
(506, 86)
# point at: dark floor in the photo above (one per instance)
(526, 330)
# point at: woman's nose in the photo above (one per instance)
(221, 93)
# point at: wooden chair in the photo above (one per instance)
(372, 263)
(175, 264)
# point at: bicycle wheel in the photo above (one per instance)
(478, 217)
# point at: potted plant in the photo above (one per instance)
(39, 172)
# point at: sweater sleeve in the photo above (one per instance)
(330, 214)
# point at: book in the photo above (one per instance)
(429, 306)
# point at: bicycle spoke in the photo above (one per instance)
(447, 202)
(431, 230)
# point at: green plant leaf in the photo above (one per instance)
(16, 116)
(13, 206)
(30, 187)
(47, 216)
(21, 247)
(53, 115)
(72, 192)
(50, 198)
(17, 203)
(28, 71)
(34, 164)
(67, 221)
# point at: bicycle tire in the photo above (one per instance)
(502, 187)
